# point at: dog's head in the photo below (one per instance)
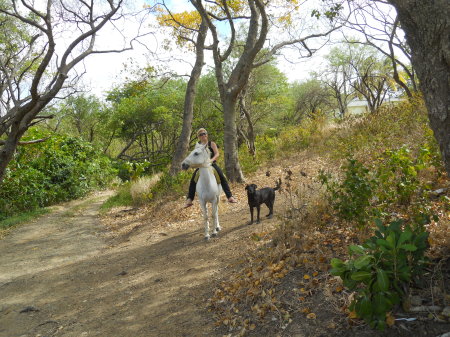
(251, 189)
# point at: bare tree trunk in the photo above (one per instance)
(188, 113)
(427, 28)
(250, 138)
(232, 166)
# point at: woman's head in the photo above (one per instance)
(202, 133)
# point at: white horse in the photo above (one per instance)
(208, 190)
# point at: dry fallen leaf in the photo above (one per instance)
(311, 316)
(390, 320)
(305, 310)
(352, 314)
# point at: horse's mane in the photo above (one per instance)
(198, 145)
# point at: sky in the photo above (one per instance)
(104, 71)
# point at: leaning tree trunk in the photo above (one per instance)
(232, 167)
(188, 113)
(427, 28)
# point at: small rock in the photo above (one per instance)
(122, 273)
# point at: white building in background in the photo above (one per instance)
(360, 106)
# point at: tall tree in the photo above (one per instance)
(337, 76)
(261, 100)
(190, 30)
(427, 28)
(372, 75)
(257, 17)
(38, 69)
(379, 25)
(311, 98)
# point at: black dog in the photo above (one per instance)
(265, 195)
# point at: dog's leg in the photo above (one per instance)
(258, 210)
(251, 215)
(270, 206)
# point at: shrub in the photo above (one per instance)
(59, 169)
(398, 174)
(168, 184)
(140, 189)
(383, 267)
(351, 197)
(248, 163)
(128, 170)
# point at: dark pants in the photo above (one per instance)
(223, 182)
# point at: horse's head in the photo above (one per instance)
(199, 157)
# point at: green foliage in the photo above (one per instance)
(382, 268)
(21, 218)
(311, 99)
(248, 163)
(392, 181)
(121, 198)
(168, 184)
(398, 174)
(392, 125)
(132, 170)
(351, 197)
(59, 169)
(267, 147)
(147, 117)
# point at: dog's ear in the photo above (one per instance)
(246, 187)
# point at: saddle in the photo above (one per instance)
(216, 175)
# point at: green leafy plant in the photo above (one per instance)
(398, 174)
(59, 169)
(382, 269)
(168, 184)
(351, 197)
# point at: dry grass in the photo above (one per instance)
(140, 189)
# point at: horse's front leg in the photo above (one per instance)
(205, 218)
(215, 214)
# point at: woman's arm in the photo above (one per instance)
(216, 151)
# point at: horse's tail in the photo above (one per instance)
(278, 184)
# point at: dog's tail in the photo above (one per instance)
(278, 184)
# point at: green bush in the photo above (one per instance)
(398, 174)
(59, 169)
(168, 184)
(248, 163)
(128, 170)
(383, 267)
(351, 197)
(392, 181)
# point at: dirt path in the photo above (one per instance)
(135, 272)
(67, 274)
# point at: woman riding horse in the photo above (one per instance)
(203, 139)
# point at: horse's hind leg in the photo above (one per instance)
(205, 219)
(215, 214)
